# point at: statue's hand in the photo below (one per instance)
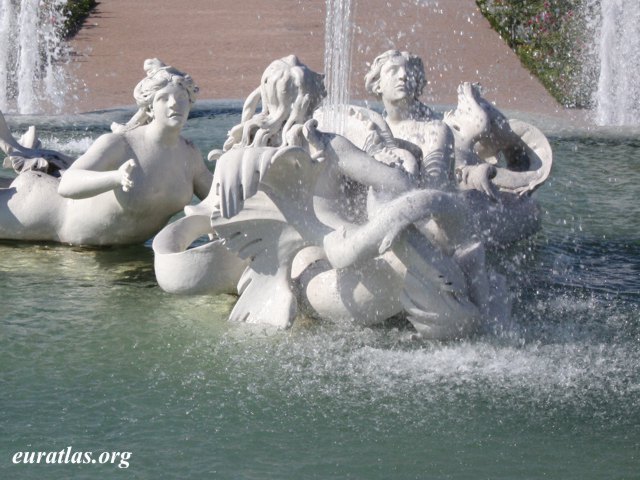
(125, 174)
(317, 144)
(478, 177)
(237, 176)
(375, 141)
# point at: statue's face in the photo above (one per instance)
(396, 80)
(171, 106)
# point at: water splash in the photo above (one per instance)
(32, 75)
(337, 58)
(618, 94)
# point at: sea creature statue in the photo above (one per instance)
(327, 230)
(124, 188)
(499, 163)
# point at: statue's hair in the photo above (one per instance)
(414, 65)
(158, 76)
(288, 91)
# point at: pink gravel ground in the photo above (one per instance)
(226, 44)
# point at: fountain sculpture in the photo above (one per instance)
(124, 188)
(331, 212)
(391, 218)
(497, 162)
(103, 359)
(363, 226)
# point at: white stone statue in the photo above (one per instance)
(287, 200)
(124, 188)
(498, 162)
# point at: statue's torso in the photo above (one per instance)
(163, 185)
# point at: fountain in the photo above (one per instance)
(33, 78)
(96, 356)
(124, 188)
(283, 200)
(338, 31)
(618, 93)
(414, 241)
(440, 190)
(294, 250)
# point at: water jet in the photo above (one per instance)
(33, 75)
(617, 96)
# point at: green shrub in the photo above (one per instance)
(547, 35)
(76, 12)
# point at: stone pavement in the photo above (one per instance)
(226, 44)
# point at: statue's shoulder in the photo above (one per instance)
(189, 143)
(111, 141)
(193, 151)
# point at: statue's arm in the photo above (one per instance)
(103, 167)
(362, 168)
(478, 177)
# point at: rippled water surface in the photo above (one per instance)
(95, 356)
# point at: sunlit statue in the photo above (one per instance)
(124, 188)
(326, 229)
(498, 163)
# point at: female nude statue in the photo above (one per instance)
(516, 157)
(398, 79)
(126, 186)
